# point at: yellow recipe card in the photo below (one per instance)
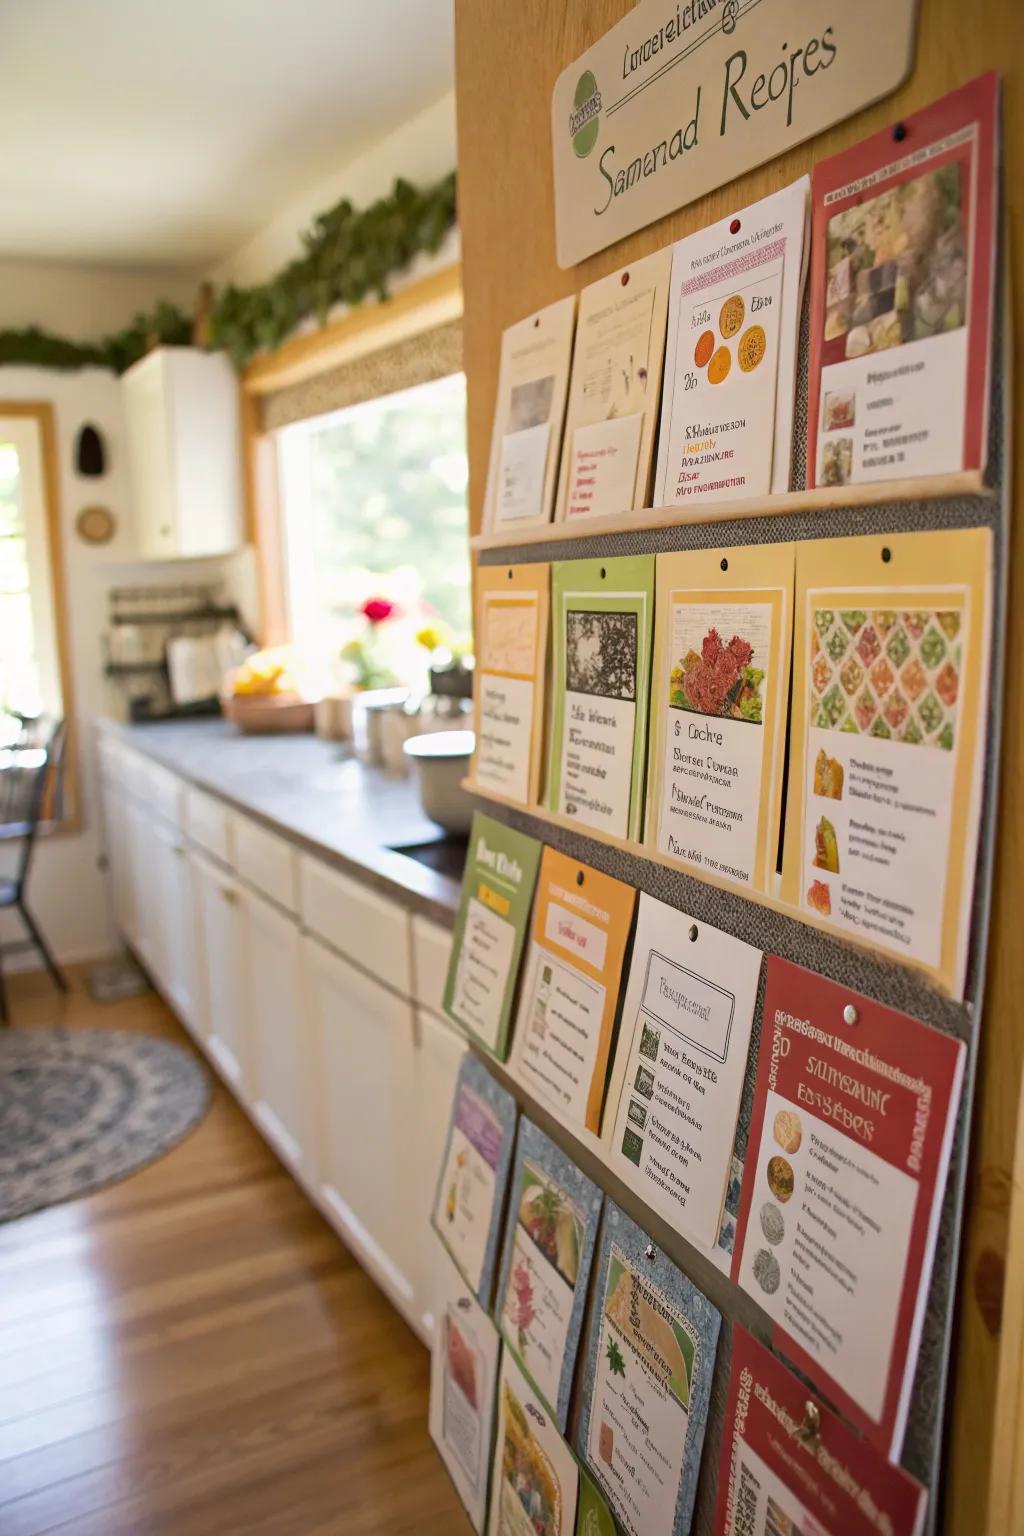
(570, 992)
(614, 391)
(890, 672)
(721, 671)
(508, 697)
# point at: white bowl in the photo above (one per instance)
(442, 762)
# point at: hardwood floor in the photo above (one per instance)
(193, 1351)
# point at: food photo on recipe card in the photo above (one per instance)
(854, 1112)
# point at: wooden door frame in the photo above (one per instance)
(44, 415)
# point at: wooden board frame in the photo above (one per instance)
(510, 269)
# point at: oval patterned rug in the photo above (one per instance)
(82, 1108)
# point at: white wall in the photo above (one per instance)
(422, 150)
(85, 303)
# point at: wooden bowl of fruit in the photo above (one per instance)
(263, 699)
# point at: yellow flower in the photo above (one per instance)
(430, 637)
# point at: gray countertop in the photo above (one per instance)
(318, 796)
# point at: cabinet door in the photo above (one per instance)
(141, 861)
(219, 912)
(117, 850)
(176, 951)
(361, 1055)
(278, 1054)
(439, 1050)
(150, 461)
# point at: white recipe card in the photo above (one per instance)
(677, 1076)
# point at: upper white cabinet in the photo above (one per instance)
(184, 450)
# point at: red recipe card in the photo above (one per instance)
(788, 1464)
(854, 1110)
(902, 280)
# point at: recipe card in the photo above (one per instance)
(570, 993)
(602, 616)
(650, 1360)
(533, 380)
(730, 369)
(853, 1119)
(890, 684)
(490, 930)
(508, 695)
(902, 283)
(463, 1381)
(721, 674)
(680, 1060)
(474, 1174)
(549, 1247)
(614, 390)
(535, 1480)
(789, 1465)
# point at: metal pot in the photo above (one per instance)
(442, 759)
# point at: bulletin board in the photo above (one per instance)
(507, 60)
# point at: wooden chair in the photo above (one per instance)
(29, 786)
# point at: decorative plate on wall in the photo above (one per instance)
(95, 525)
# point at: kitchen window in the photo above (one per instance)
(374, 507)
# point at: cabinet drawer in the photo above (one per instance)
(163, 792)
(431, 950)
(266, 862)
(209, 824)
(369, 929)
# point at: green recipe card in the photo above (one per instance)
(602, 613)
(490, 929)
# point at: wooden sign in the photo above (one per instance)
(678, 99)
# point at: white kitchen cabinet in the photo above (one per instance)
(218, 904)
(362, 1071)
(184, 452)
(278, 1054)
(143, 933)
(118, 855)
(439, 1050)
(175, 949)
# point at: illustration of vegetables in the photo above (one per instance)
(553, 1226)
(522, 1308)
(719, 681)
(616, 1364)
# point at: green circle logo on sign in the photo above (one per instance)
(584, 119)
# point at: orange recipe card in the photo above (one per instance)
(511, 650)
(570, 994)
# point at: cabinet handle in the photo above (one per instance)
(229, 894)
(179, 849)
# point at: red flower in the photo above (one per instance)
(377, 609)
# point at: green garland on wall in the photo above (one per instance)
(347, 255)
